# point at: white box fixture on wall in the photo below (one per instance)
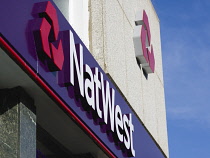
(79, 19)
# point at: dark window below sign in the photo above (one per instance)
(49, 147)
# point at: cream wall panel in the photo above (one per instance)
(114, 43)
(96, 29)
(161, 121)
(111, 32)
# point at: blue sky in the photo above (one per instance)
(185, 33)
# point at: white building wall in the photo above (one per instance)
(111, 30)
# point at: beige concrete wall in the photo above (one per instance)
(111, 26)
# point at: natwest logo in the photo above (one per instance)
(142, 43)
(59, 52)
(46, 35)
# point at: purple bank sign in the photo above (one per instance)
(38, 37)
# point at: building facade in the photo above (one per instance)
(81, 79)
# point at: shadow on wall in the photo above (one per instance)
(144, 72)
